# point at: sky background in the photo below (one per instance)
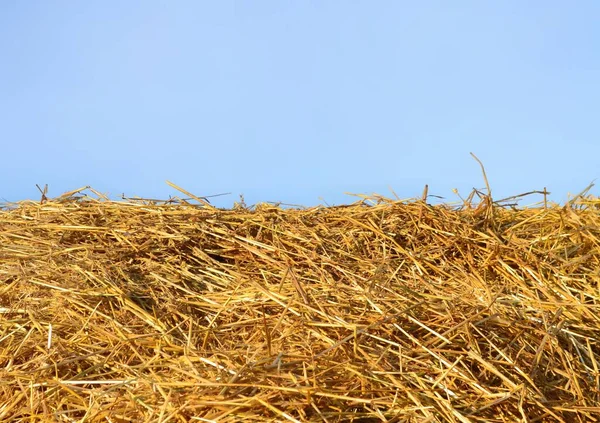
(298, 101)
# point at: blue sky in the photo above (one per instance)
(298, 101)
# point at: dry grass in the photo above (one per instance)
(394, 312)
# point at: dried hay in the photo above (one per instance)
(395, 312)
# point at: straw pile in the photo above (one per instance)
(391, 311)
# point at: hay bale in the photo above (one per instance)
(395, 311)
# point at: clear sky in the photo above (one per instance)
(298, 101)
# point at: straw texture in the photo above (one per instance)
(385, 310)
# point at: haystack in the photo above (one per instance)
(384, 310)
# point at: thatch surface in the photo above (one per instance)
(399, 311)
